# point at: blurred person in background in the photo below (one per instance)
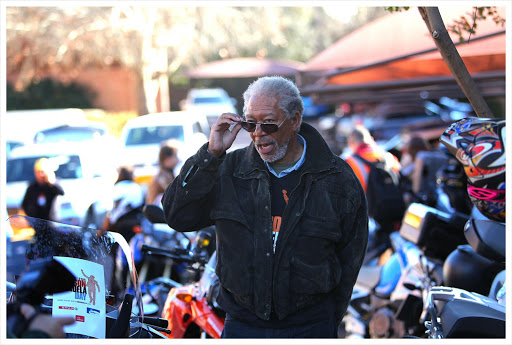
(167, 161)
(290, 216)
(362, 144)
(414, 145)
(128, 201)
(40, 195)
(408, 173)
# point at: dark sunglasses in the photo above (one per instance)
(268, 128)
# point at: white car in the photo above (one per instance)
(22, 125)
(142, 136)
(83, 170)
(211, 102)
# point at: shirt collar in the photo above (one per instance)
(296, 166)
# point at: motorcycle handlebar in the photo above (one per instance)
(177, 254)
(154, 321)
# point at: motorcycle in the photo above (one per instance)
(385, 302)
(191, 309)
(471, 304)
(156, 234)
(464, 302)
(65, 270)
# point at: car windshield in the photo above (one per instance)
(202, 100)
(68, 134)
(22, 169)
(154, 135)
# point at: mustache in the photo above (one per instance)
(265, 142)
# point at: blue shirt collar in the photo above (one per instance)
(296, 166)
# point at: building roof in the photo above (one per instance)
(244, 68)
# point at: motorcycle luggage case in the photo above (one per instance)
(468, 270)
(466, 314)
(436, 233)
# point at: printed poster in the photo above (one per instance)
(86, 301)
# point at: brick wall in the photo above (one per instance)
(115, 87)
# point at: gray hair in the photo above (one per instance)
(286, 92)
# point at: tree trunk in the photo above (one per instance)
(451, 56)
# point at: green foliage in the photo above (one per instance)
(49, 94)
(397, 9)
(463, 25)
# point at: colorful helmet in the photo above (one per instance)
(479, 144)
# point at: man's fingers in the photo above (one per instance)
(66, 320)
(236, 128)
(227, 119)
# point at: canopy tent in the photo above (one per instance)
(394, 56)
(244, 68)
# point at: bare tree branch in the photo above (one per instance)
(451, 56)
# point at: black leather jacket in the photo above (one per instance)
(321, 244)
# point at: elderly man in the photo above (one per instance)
(291, 218)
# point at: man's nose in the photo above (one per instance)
(258, 131)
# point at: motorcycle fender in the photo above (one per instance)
(175, 312)
(206, 318)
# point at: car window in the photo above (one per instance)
(11, 145)
(154, 135)
(22, 169)
(75, 134)
(202, 100)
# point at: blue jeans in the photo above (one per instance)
(321, 329)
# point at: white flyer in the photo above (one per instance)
(86, 302)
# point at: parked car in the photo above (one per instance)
(83, 170)
(142, 136)
(22, 125)
(92, 130)
(211, 102)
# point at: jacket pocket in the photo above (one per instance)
(314, 279)
(314, 266)
(235, 252)
(316, 240)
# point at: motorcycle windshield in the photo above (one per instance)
(101, 262)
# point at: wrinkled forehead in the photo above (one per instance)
(259, 105)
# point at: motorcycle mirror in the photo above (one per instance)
(154, 214)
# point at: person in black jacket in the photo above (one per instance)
(291, 218)
(41, 193)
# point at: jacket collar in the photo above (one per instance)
(319, 156)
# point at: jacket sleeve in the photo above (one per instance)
(351, 252)
(188, 200)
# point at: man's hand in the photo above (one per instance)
(53, 326)
(221, 138)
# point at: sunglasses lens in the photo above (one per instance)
(269, 128)
(248, 126)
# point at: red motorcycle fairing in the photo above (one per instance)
(182, 308)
